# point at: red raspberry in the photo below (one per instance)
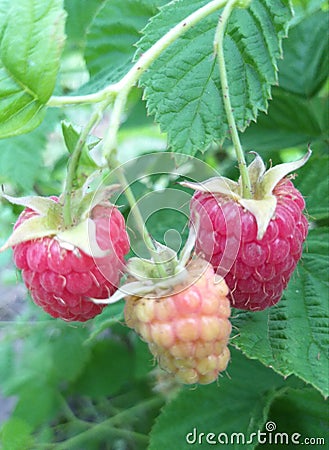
(256, 271)
(61, 280)
(187, 331)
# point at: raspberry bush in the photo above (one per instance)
(164, 177)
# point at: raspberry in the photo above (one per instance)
(188, 330)
(61, 280)
(259, 269)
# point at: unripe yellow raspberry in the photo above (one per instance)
(187, 330)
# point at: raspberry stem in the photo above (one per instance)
(74, 161)
(141, 226)
(219, 50)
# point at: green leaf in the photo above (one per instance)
(110, 316)
(312, 181)
(295, 117)
(305, 66)
(37, 404)
(182, 86)
(16, 434)
(301, 411)
(221, 409)
(60, 356)
(292, 337)
(21, 157)
(301, 7)
(113, 32)
(291, 121)
(109, 369)
(31, 41)
(67, 353)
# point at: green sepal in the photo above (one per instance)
(144, 269)
(263, 205)
(87, 165)
(71, 136)
(216, 185)
(263, 211)
(48, 221)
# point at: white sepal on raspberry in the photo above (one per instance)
(254, 243)
(263, 203)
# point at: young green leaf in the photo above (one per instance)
(31, 41)
(292, 337)
(86, 164)
(182, 86)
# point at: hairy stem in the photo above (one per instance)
(219, 50)
(135, 211)
(74, 161)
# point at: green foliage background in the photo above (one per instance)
(94, 385)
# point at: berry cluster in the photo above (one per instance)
(246, 250)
